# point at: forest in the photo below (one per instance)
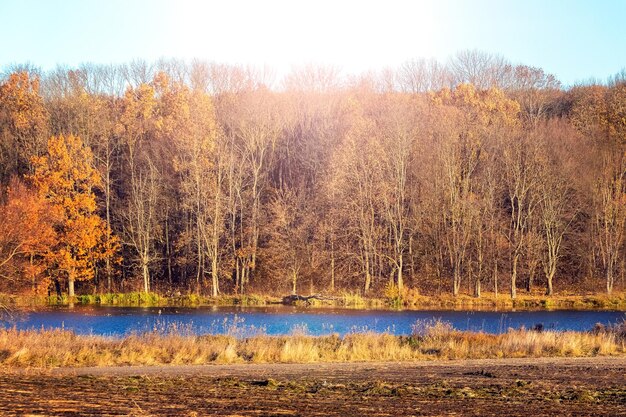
(197, 177)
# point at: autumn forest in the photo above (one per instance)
(193, 177)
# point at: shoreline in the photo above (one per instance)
(488, 302)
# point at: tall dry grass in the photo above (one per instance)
(52, 348)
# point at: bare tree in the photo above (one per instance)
(313, 79)
(557, 207)
(481, 69)
(202, 165)
(422, 75)
(535, 90)
(398, 124)
(610, 214)
(522, 184)
(141, 225)
(357, 173)
(252, 126)
(459, 159)
(290, 236)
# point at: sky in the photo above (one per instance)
(575, 40)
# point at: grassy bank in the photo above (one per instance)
(408, 300)
(52, 348)
(615, 301)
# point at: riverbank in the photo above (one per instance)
(176, 346)
(544, 386)
(412, 301)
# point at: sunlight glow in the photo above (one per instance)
(352, 35)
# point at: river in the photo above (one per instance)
(246, 321)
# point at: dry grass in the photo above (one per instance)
(410, 298)
(52, 348)
(536, 301)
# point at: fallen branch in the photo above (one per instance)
(292, 299)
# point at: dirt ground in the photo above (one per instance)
(529, 387)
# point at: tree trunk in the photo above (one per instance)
(199, 269)
(368, 278)
(237, 277)
(495, 279)
(400, 278)
(332, 266)
(168, 249)
(549, 289)
(214, 277)
(57, 288)
(456, 279)
(146, 277)
(70, 287)
(108, 220)
(514, 277)
(609, 280)
(550, 273)
(242, 278)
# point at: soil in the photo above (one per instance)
(530, 387)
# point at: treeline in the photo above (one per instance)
(211, 178)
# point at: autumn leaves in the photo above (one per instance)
(203, 179)
(66, 178)
(50, 229)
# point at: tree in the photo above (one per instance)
(311, 78)
(557, 206)
(611, 220)
(291, 232)
(23, 124)
(521, 179)
(66, 178)
(139, 124)
(481, 69)
(26, 236)
(470, 120)
(599, 113)
(356, 175)
(459, 157)
(77, 106)
(252, 123)
(300, 166)
(421, 76)
(201, 163)
(397, 123)
(535, 90)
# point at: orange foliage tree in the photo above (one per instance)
(66, 178)
(26, 235)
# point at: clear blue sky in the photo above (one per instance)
(576, 40)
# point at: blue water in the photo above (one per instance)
(246, 321)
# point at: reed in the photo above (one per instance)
(176, 345)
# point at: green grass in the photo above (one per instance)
(122, 299)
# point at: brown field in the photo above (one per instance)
(492, 387)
